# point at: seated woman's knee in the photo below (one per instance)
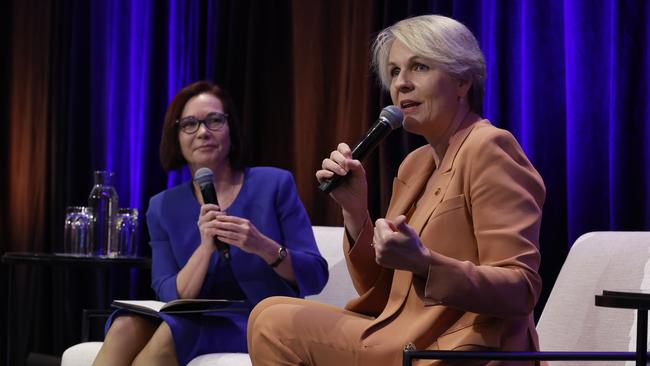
(130, 325)
(271, 319)
(262, 308)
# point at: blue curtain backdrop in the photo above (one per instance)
(568, 78)
(123, 37)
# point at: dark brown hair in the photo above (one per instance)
(171, 156)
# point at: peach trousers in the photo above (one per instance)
(290, 331)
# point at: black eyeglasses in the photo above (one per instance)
(213, 122)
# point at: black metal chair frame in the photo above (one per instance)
(409, 356)
(640, 302)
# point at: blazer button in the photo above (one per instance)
(437, 192)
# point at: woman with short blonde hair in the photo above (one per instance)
(453, 265)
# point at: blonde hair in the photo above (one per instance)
(448, 43)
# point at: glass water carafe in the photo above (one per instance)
(104, 202)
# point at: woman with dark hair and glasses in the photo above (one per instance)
(259, 214)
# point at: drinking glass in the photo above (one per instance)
(78, 231)
(126, 227)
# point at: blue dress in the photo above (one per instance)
(269, 200)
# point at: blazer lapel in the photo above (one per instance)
(433, 196)
(405, 193)
(455, 142)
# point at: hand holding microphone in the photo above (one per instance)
(344, 165)
(389, 119)
(203, 177)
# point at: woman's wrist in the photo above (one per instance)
(208, 247)
(269, 250)
(354, 222)
(422, 268)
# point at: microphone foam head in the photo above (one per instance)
(393, 115)
(203, 175)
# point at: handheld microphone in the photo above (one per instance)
(203, 177)
(389, 119)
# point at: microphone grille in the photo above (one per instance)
(393, 116)
(203, 175)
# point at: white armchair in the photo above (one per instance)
(337, 292)
(570, 321)
(597, 261)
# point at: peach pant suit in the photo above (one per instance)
(482, 206)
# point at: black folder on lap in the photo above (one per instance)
(180, 306)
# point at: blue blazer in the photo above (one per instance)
(269, 200)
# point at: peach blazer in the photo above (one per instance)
(482, 207)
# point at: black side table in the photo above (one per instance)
(14, 259)
(631, 299)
